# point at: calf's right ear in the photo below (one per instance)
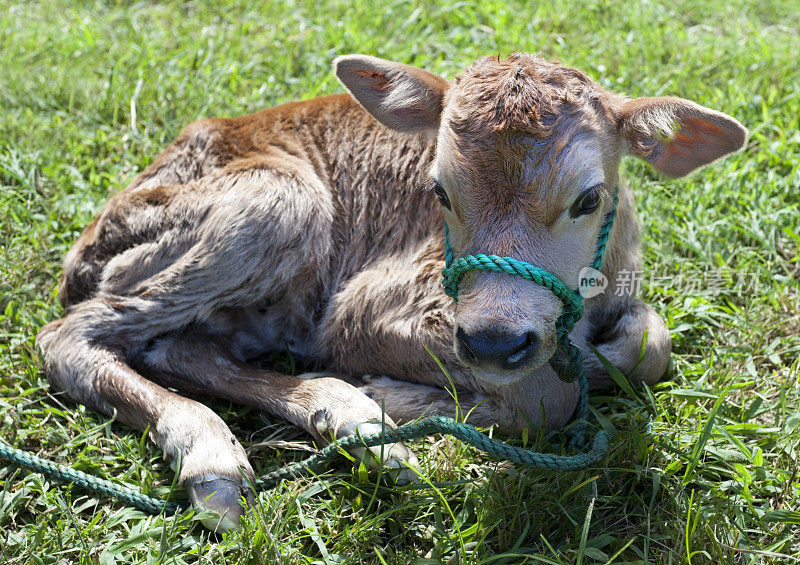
(401, 97)
(677, 136)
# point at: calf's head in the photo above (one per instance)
(527, 158)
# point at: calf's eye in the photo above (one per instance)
(441, 194)
(587, 202)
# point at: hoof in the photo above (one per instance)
(403, 465)
(221, 496)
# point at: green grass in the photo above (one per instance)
(704, 467)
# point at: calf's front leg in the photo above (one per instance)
(388, 319)
(617, 331)
(194, 362)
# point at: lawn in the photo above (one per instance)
(704, 465)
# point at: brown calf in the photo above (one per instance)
(307, 228)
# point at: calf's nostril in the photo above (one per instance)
(520, 353)
(465, 342)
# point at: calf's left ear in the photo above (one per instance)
(677, 136)
(401, 97)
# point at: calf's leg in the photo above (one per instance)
(381, 322)
(198, 363)
(212, 461)
(220, 262)
(617, 333)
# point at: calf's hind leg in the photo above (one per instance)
(212, 461)
(86, 352)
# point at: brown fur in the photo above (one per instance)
(305, 228)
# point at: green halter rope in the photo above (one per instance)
(316, 463)
(569, 371)
(568, 360)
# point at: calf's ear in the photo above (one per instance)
(677, 136)
(401, 97)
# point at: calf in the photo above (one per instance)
(317, 227)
